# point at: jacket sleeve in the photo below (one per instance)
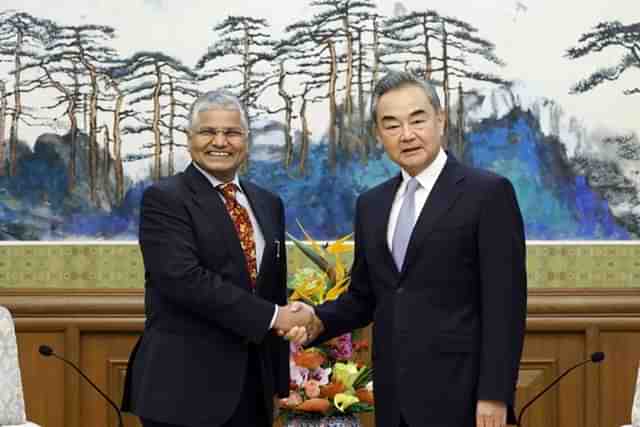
(173, 268)
(281, 349)
(353, 309)
(503, 294)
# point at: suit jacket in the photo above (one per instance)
(448, 329)
(188, 367)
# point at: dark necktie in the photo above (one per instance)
(242, 222)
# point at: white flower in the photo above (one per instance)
(299, 375)
(321, 375)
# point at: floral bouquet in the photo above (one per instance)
(332, 379)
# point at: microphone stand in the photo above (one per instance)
(47, 351)
(596, 357)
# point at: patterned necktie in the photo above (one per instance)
(404, 226)
(241, 220)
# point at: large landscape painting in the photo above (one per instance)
(94, 97)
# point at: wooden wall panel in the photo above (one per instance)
(103, 358)
(117, 370)
(534, 375)
(619, 375)
(565, 350)
(42, 378)
(98, 329)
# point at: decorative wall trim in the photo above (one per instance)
(104, 265)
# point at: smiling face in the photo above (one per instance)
(409, 128)
(216, 152)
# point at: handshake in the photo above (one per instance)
(298, 322)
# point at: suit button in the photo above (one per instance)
(400, 291)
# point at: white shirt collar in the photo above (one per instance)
(429, 175)
(215, 181)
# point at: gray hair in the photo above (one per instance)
(399, 79)
(216, 100)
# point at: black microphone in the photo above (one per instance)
(47, 351)
(596, 357)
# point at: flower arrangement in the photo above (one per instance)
(331, 379)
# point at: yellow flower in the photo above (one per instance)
(346, 373)
(342, 401)
(333, 279)
(340, 288)
(340, 246)
(309, 285)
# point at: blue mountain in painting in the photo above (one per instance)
(557, 202)
(321, 200)
(36, 203)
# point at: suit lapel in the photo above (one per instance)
(442, 197)
(209, 199)
(265, 220)
(381, 220)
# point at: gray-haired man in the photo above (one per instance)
(215, 269)
(439, 268)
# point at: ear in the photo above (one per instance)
(440, 122)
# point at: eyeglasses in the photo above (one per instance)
(230, 134)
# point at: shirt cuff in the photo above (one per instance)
(275, 316)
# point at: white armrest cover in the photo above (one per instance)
(11, 397)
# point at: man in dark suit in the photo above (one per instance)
(439, 267)
(215, 269)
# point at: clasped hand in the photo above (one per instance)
(298, 322)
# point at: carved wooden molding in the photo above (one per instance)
(618, 303)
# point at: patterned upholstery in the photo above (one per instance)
(11, 397)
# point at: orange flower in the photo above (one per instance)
(314, 405)
(309, 359)
(331, 389)
(365, 395)
(360, 345)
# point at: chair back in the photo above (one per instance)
(11, 395)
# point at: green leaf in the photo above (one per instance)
(359, 407)
(314, 257)
(365, 375)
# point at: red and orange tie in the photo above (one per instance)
(241, 220)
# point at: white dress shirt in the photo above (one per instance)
(242, 199)
(426, 180)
